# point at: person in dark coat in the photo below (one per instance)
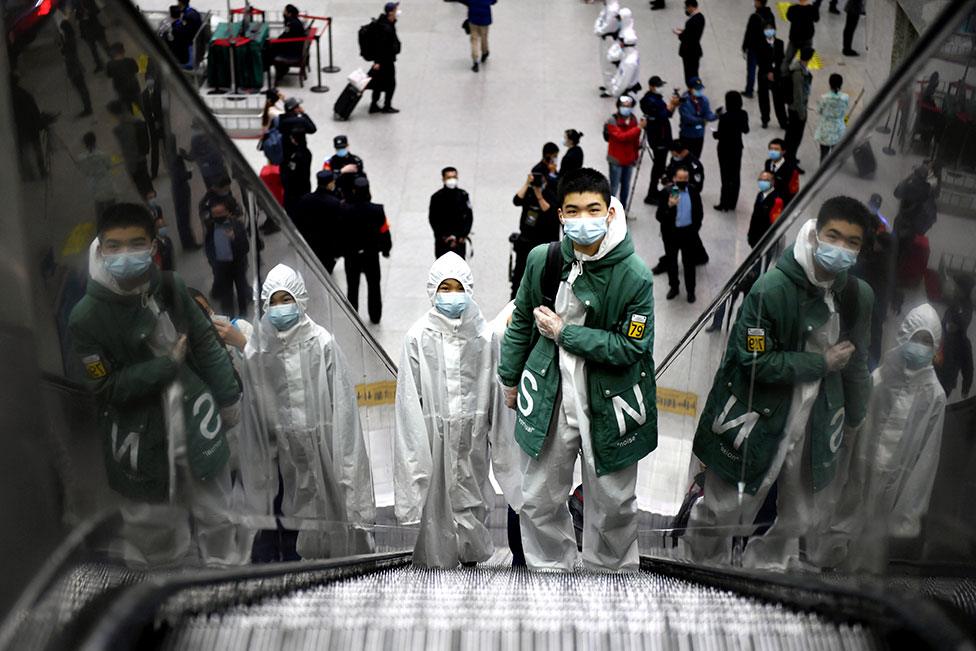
(132, 136)
(539, 223)
(318, 218)
(573, 158)
(296, 166)
(769, 63)
(854, 9)
(479, 20)
(690, 36)
(369, 236)
(294, 28)
(226, 245)
(657, 118)
(72, 64)
(450, 216)
(92, 31)
(803, 18)
(386, 46)
(753, 39)
(956, 355)
(781, 163)
(342, 159)
(766, 209)
(124, 73)
(680, 213)
(733, 122)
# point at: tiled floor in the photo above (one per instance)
(540, 80)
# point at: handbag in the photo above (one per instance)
(359, 79)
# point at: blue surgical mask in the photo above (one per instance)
(775, 154)
(625, 110)
(917, 355)
(451, 304)
(342, 153)
(585, 230)
(769, 33)
(764, 185)
(834, 259)
(163, 232)
(696, 92)
(124, 266)
(285, 316)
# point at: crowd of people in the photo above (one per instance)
(197, 401)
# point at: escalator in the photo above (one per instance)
(90, 588)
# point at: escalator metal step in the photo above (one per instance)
(500, 609)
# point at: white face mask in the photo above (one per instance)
(451, 183)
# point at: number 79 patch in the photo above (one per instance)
(756, 340)
(635, 330)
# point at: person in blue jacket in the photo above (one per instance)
(694, 111)
(479, 19)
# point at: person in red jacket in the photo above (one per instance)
(623, 133)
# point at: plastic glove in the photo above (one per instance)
(511, 395)
(548, 322)
(230, 416)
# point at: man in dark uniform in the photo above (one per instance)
(753, 39)
(369, 235)
(294, 28)
(769, 61)
(296, 167)
(682, 158)
(539, 223)
(783, 166)
(657, 114)
(690, 36)
(450, 216)
(386, 46)
(318, 218)
(340, 161)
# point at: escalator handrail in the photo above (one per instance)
(928, 42)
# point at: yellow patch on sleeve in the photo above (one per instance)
(94, 367)
(635, 330)
(756, 340)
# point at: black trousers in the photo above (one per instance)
(850, 26)
(730, 168)
(440, 248)
(767, 88)
(365, 262)
(657, 170)
(794, 133)
(227, 277)
(384, 81)
(78, 81)
(139, 172)
(695, 146)
(685, 241)
(518, 270)
(278, 544)
(690, 64)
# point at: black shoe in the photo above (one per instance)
(390, 109)
(691, 297)
(800, 170)
(650, 200)
(603, 88)
(765, 123)
(484, 57)
(719, 208)
(851, 53)
(659, 269)
(269, 227)
(604, 93)
(469, 563)
(655, 7)
(748, 95)
(672, 293)
(714, 327)
(475, 67)
(373, 108)
(834, 10)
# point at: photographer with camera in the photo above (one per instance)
(539, 223)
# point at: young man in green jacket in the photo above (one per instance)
(792, 387)
(166, 391)
(577, 363)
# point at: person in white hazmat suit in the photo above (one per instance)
(303, 448)
(894, 460)
(626, 78)
(445, 393)
(606, 28)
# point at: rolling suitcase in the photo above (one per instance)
(347, 102)
(864, 159)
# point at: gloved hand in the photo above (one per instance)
(178, 353)
(511, 395)
(230, 416)
(548, 322)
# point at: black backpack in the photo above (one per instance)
(366, 40)
(551, 274)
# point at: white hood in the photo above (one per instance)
(98, 273)
(923, 318)
(628, 35)
(616, 232)
(804, 249)
(613, 6)
(284, 278)
(449, 265)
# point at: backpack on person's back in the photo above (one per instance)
(272, 144)
(367, 40)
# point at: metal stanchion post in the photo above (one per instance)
(319, 88)
(889, 150)
(331, 68)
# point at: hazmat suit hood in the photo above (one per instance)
(98, 273)
(608, 21)
(284, 278)
(628, 35)
(449, 265)
(923, 318)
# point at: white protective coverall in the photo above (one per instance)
(196, 524)
(606, 28)
(610, 505)
(506, 455)
(716, 517)
(302, 421)
(894, 460)
(445, 391)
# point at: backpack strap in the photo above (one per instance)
(173, 307)
(847, 306)
(551, 274)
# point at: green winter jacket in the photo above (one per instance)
(616, 342)
(110, 333)
(765, 345)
